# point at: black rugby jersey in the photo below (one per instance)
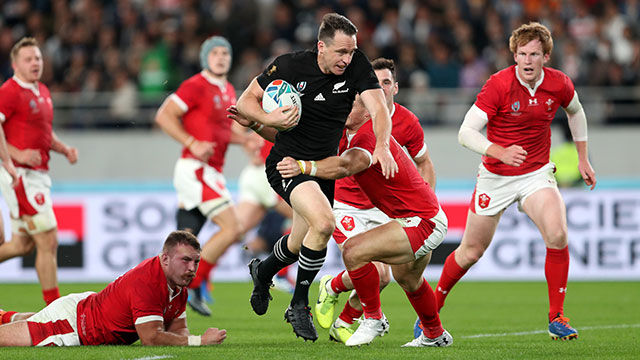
(327, 100)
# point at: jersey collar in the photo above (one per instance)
(393, 110)
(29, 86)
(172, 293)
(220, 83)
(532, 92)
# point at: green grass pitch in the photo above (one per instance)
(488, 320)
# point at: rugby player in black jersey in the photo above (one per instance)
(328, 79)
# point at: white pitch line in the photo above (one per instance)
(521, 333)
(156, 357)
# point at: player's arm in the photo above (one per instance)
(179, 326)
(249, 108)
(350, 162)
(7, 163)
(471, 137)
(374, 101)
(70, 152)
(578, 126)
(169, 117)
(426, 168)
(268, 133)
(152, 333)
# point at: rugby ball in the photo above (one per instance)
(280, 93)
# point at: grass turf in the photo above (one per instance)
(488, 320)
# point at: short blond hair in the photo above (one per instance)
(24, 42)
(529, 32)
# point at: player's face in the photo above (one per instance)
(358, 115)
(334, 56)
(388, 84)
(219, 60)
(27, 65)
(530, 59)
(181, 265)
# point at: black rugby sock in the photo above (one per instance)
(309, 265)
(280, 258)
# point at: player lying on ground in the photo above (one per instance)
(417, 226)
(148, 303)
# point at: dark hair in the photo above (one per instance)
(382, 63)
(180, 237)
(24, 42)
(529, 32)
(333, 22)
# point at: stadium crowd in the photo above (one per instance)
(145, 47)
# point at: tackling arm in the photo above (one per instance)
(334, 167)
(374, 101)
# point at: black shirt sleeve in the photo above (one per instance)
(363, 72)
(275, 70)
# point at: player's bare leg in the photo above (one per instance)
(229, 232)
(479, 231)
(546, 209)
(20, 245)
(47, 263)
(15, 334)
(249, 215)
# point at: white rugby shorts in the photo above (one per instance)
(255, 188)
(31, 197)
(57, 323)
(201, 186)
(494, 193)
(351, 221)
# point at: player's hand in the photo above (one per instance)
(514, 155)
(233, 114)
(382, 154)
(288, 167)
(588, 175)
(8, 165)
(72, 155)
(202, 150)
(214, 336)
(283, 118)
(29, 157)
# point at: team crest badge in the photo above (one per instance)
(515, 106)
(301, 85)
(348, 223)
(483, 200)
(39, 198)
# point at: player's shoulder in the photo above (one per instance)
(196, 80)
(10, 84)
(556, 78)
(403, 114)
(503, 77)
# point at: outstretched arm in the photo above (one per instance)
(374, 101)
(152, 333)
(334, 167)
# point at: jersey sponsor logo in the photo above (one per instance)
(483, 200)
(272, 70)
(533, 102)
(337, 88)
(348, 223)
(318, 97)
(301, 85)
(39, 198)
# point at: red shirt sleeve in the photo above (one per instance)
(567, 92)
(189, 93)
(415, 137)
(488, 99)
(145, 302)
(8, 101)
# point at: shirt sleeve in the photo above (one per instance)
(488, 99)
(275, 70)
(187, 95)
(8, 103)
(568, 91)
(365, 77)
(415, 138)
(146, 304)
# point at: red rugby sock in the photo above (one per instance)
(451, 274)
(423, 301)
(366, 281)
(556, 270)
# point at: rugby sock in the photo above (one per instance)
(202, 274)
(6, 317)
(366, 281)
(280, 258)
(309, 264)
(556, 270)
(423, 301)
(50, 295)
(451, 274)
(337, 285)
(349, 314)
